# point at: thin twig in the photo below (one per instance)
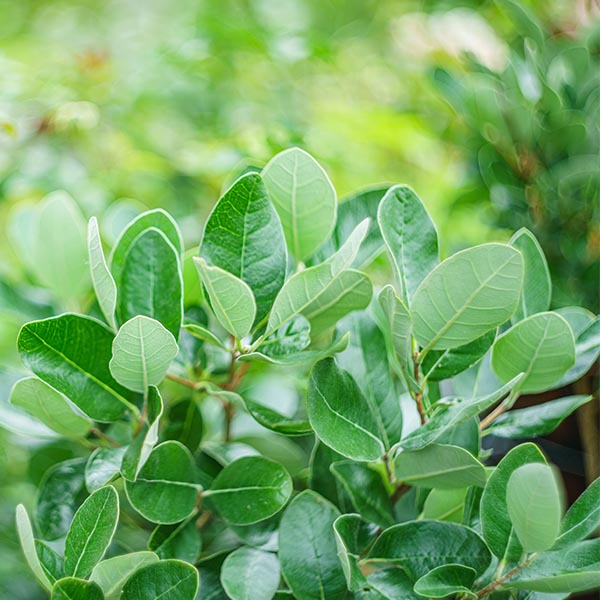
(501, 408)
(194, 385)
(494, 584)
(418, 395)
(102, 436)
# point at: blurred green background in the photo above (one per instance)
(490, 110)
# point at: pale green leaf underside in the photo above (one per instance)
(25, 533)
(112, 573)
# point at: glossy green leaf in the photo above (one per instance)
(472, 292)
(340, 415)
(533, 499)
(112, 573)
(304, 198)
(243, 235)
(157, 219)
(249, 490)
(162, 580)
(587, 351)
(250, 574)
(72, 588)
(537, 288)
(308, 551)
(418, 547)
(184, 424)
(141, 354)
(151, 284)
(165, 490)
(275, 421)
(291, 338)
(541, 346)
(320, 479)
(50, 407)
(181, 541)
(495, 520)
(52, 564)
(102, 466)
(447, 580)
(439, 466)
(231, 299)
(410, 236)
(27, 541)
(582, 518)
(91, 532)
(538, 420)
(367, 491)
(387, 584)
(71, 353)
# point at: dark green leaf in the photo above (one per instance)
(53, 565)
(387, 584)
(447, 580)
(290, 338)
(275, 421)
(112, 573)
(102, 466)
(583, 518)
(163, 580)
(250, 574)
(320, 479)
(181, 541)
(184, 424)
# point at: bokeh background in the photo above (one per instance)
(490, 110)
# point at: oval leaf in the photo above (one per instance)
(163, 580)
(112, 573)
(250, 574)
(25, 533)
(71, 588)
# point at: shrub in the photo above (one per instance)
(196, 407)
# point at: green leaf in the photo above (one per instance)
(472, 292)
(102, 279)
(50, 407)
(569, 570)
(537, 288)
(91, 532)
(275, 421)
(243, 236)
(156, 219)
(204, 334)
(367, 491)
(102, 466)
(418, 547)
(162, 580)
(533, 499)
(410, 237)
(249, 490)
(26, 539)
(340, 415)
(541, 346)
(141, 353)
(290, 339)
(583, 518)
(112, 573)
(304, 198)
(53, 565)
(445, 505)
(231, 299)
(495, 520)
(366, 360)
(185, 424)
(536, 421)
(587, 351)
(181, 541)
(151, 283)
(320, 479)
(387, 584)
(439, 466)
(458, 411)
(447, 580)
(72, 588)
(313, 290)
(71, 353)
(308, 551)
(165, 490)
(60, 493)
(58, 247)
(250, 574)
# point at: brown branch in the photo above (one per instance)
(183, 381)
(418, 395)
(399, 492)
(102, 436)
(494, 584)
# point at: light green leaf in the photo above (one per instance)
(467, 295)
(71, 353)
(250, 574)
(439, 466)
(447, 580)
(495, 520)
(25, 532)
(91, 532)
(587, 351)
(162, 580)
(583, 518)
(141, 353)
(204, 334)
(445, 505)
(537, 288)
(156, 219)
(102, 279)
(72, 588)
(577, 317)
(541, 346)
(340, 414)
(410, 237)
(112, 573)
(290, 339)
(304, 198)
(533, 499)
(50, 407)
(308, 551)
(181, 541)
(249, 490)
(536, 421)
(151, 283)
(243, 236)
(165, 490)
(102, 466)
(275, 421)
(231, 299)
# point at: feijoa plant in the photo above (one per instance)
(259, 420)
